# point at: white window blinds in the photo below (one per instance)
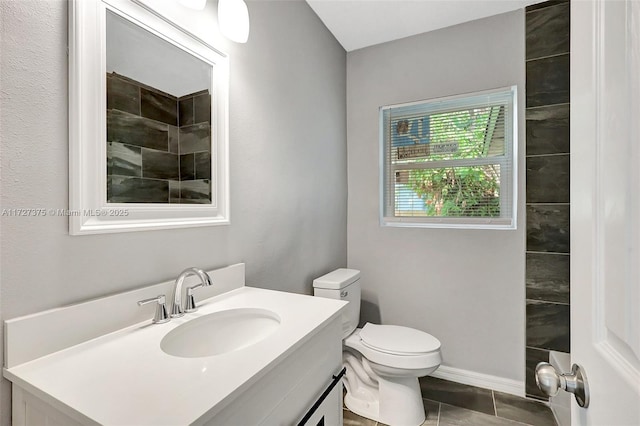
(450, 162)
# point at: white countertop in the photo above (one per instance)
(124, 378)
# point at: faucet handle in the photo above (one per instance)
(191, 302)
(161, 314)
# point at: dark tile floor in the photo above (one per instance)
(453, 404)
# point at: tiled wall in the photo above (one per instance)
(547, 188)
(195, 147)
(158, 145)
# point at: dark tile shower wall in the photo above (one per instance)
(158, 145)
(194, 113)
(547, 187)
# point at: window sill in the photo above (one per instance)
(450, 223)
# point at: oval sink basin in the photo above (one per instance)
(220, 332)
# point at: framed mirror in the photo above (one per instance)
(148, 122)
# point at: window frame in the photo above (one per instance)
(507, 186)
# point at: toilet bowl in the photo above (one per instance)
(383, 362)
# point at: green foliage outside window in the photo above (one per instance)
(470, 191)
(461, 191)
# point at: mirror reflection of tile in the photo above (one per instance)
(158, 145)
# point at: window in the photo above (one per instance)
(450, 162)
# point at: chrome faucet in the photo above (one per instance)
(161, 315)
(176, 308)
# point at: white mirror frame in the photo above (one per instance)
(89, 212)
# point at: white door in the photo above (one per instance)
(605, 208)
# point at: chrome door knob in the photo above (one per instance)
(548, 379)
(550, 382)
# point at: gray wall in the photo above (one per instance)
(466, 287)
(288, 166)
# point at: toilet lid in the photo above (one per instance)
(398, 340)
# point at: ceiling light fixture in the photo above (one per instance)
(233, 19)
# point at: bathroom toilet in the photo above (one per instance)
(383, 362)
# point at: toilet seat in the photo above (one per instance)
(409, 361)
(398, 340)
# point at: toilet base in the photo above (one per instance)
(403, 403)
(362, 405)
(396, 402)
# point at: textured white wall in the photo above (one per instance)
(288, 165)
(466, 287)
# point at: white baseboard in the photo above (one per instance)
(466, 377)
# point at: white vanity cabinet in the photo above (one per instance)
(281, 397)
(69, 367)
(29, 410)
(285, 394)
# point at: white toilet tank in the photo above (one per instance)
(343, 284)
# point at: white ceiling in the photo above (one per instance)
(361, 23)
